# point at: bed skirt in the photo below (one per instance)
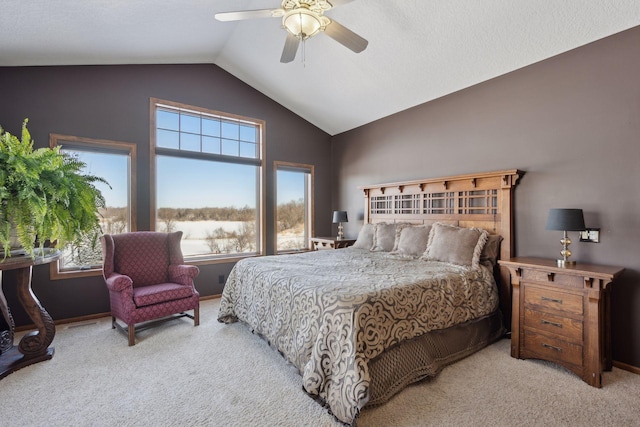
(424, 356)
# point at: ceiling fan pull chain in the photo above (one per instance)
(304, 54)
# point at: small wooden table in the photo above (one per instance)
(34, 346)
(330, 243)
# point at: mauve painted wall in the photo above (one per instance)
(112, 102)
(571, 122)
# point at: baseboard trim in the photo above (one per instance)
(626, 367)
(94, 316)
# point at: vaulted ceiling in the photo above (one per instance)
(419, 50)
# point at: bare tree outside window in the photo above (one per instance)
(294, 191)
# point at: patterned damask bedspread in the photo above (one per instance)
(329, 312)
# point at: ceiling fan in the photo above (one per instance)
(303, 19)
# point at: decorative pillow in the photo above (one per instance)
(456, 245)
(384, 237)
(411, 241)
(491, 251)
(365, 237)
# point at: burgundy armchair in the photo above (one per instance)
(147, 279)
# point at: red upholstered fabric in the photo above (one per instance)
(146, 277)
(143, 256)
(162, 292)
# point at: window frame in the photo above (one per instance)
(154, 103)
(104, 146)
(310, 205)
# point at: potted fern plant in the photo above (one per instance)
(44, 196)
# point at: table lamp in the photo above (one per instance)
(338, 218)
(565, 220)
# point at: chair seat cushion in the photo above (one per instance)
(162, 292)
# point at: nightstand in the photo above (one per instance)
(330, 243)
(562, 314)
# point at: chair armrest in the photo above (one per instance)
(183, 274)
(118, 282)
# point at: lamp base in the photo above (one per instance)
(562, 263)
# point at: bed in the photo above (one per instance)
(420, 289)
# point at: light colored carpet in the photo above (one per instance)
(222, 375)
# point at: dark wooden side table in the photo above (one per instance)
(330, 243)
(562, 314)
(34, 346)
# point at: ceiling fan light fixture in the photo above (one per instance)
(302, 23)
(302, 19)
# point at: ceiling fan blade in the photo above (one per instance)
(249, 14)
(345, 37)
(290, 48)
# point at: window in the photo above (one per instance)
(294, 206)
(208, 180)
(115, 162)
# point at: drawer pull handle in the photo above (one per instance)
(546, 322)
(552, 347)
(559, 301)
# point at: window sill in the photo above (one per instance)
(56, 274)
(204, 260)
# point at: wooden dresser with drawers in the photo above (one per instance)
(562, 314)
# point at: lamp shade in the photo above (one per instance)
(302, 23)
(565, 220)
(339, 216)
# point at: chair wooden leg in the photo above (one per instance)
(113, 322)
(196, 316)
(132, 335)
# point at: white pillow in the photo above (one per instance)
(384, 237)
(365, 237)
(456, 245)
(411, 241)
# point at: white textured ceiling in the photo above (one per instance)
(418, 50)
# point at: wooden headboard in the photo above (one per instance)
(483, 200)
